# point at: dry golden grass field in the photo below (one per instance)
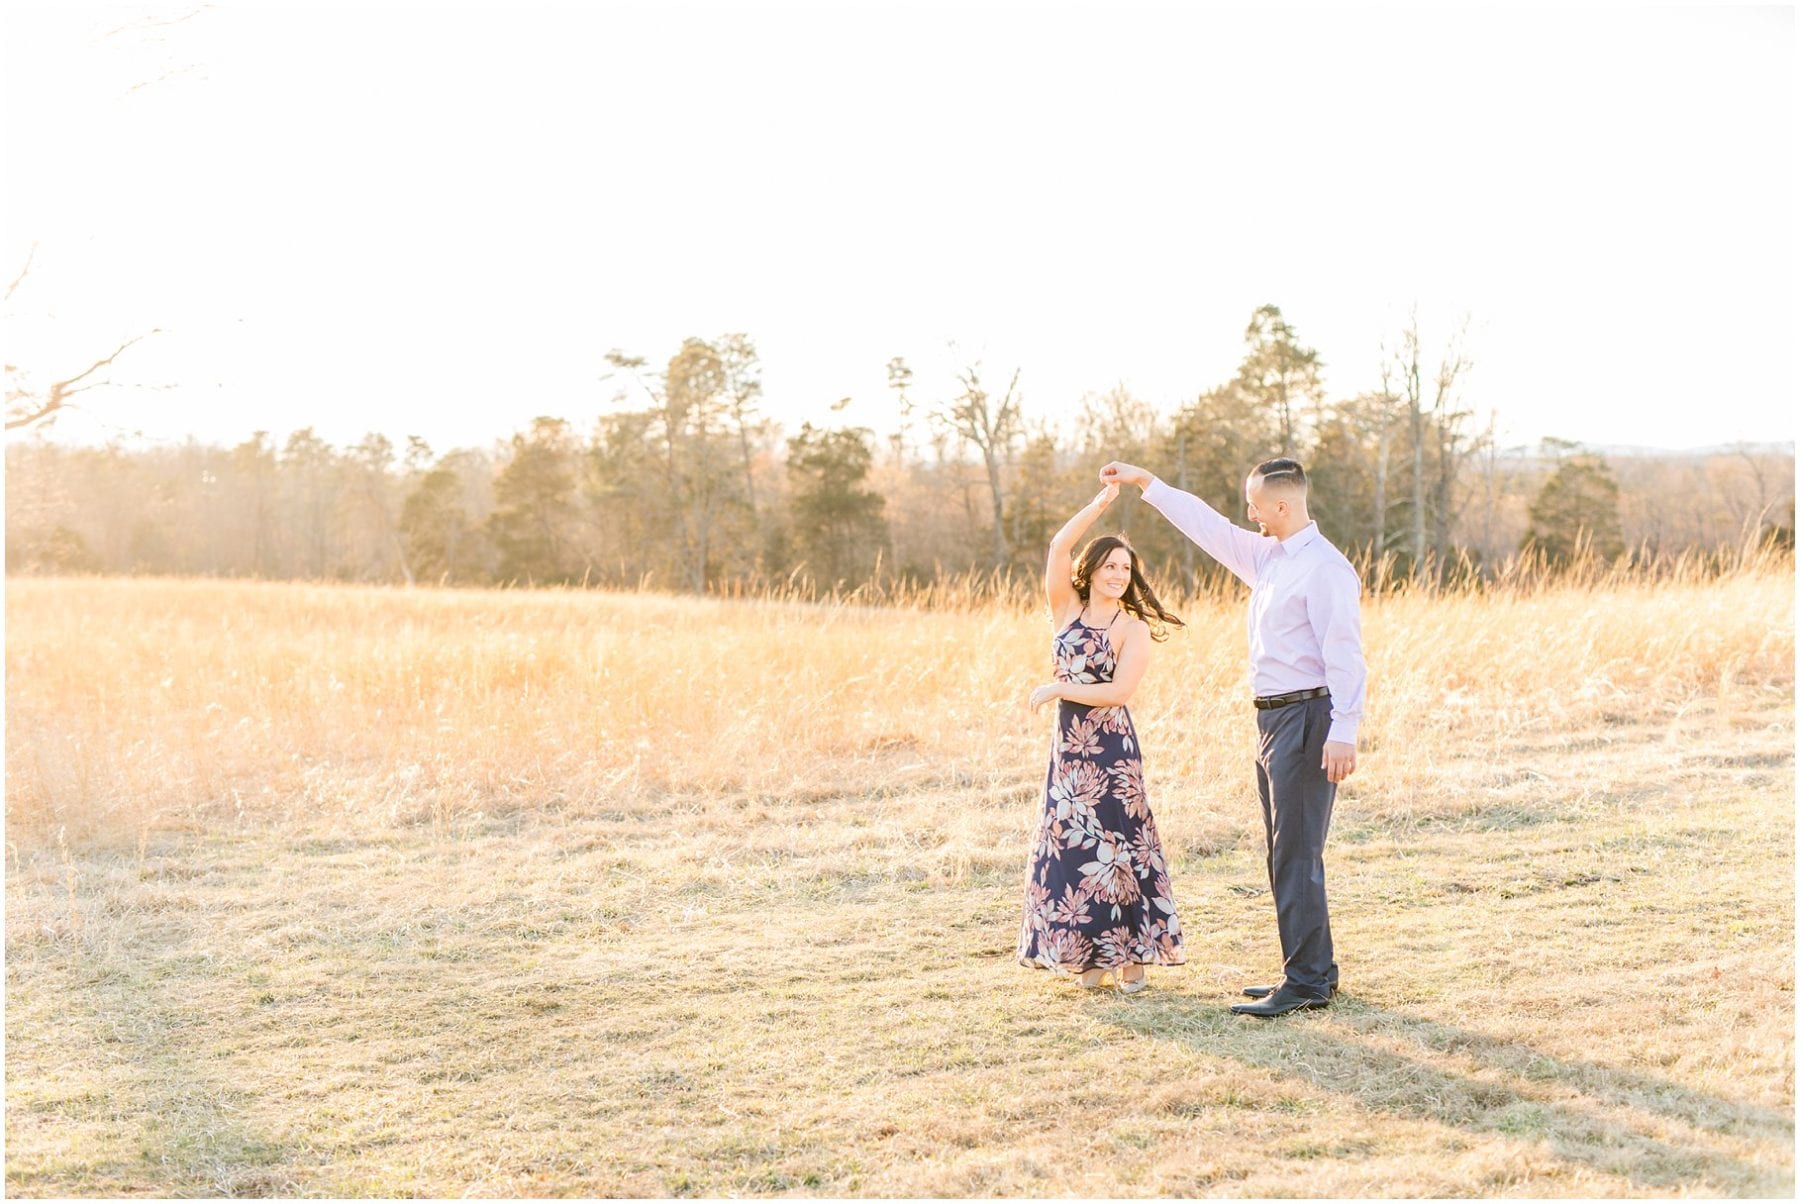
(327, 890)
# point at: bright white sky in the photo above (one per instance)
(436, 219)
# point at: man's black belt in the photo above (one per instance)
(1271, 701)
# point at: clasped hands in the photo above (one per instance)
(1119, 473)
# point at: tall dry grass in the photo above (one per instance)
(135, 704)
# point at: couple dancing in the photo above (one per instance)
(1097, 896)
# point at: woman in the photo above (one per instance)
(1097, 895)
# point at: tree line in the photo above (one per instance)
(685, 482)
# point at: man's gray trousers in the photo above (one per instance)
(1296, 803)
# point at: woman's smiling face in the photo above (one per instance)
(1113, 576)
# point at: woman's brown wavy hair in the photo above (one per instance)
(1140, 600)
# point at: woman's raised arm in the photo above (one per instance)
(1060, 566)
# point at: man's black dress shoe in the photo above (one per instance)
(1280, 1004)
(1264, 992)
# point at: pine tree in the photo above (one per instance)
(1281, 376)
(534, 506)
(1576, 509)
(436, 529)
(837, 524)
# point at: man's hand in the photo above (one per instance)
(1340, 760)
(1118, 473)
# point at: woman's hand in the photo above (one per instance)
(1104, 498)
(1044, 694)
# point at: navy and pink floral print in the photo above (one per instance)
(1097, 892)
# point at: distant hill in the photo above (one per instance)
(1529, 450)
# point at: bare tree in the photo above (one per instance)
(372, 497)
(993, 426)
(1433, 421)
(1761, 505)
(900, 379)
(1405, 365)
(309, 468)
(26, 407)
(689, 407)
(1383, 411)
(1490, 486)
(743, 389)
(1453, 444)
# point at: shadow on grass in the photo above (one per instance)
(179, 1127)
(1616, 1126)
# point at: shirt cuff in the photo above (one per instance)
(1155, 486)
(1343, 731)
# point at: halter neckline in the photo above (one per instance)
(1091, 627)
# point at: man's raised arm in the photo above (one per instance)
(1239, 550)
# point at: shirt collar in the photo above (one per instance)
(1298, 541)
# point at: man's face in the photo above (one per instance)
(1264, 506)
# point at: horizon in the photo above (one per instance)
(498, 443)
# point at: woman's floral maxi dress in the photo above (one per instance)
(1097, 892)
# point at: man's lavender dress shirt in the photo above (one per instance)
(1305, 630)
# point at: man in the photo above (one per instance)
(1307, 674)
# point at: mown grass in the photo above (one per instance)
(321, 891)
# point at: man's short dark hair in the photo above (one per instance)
(1281, 472)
